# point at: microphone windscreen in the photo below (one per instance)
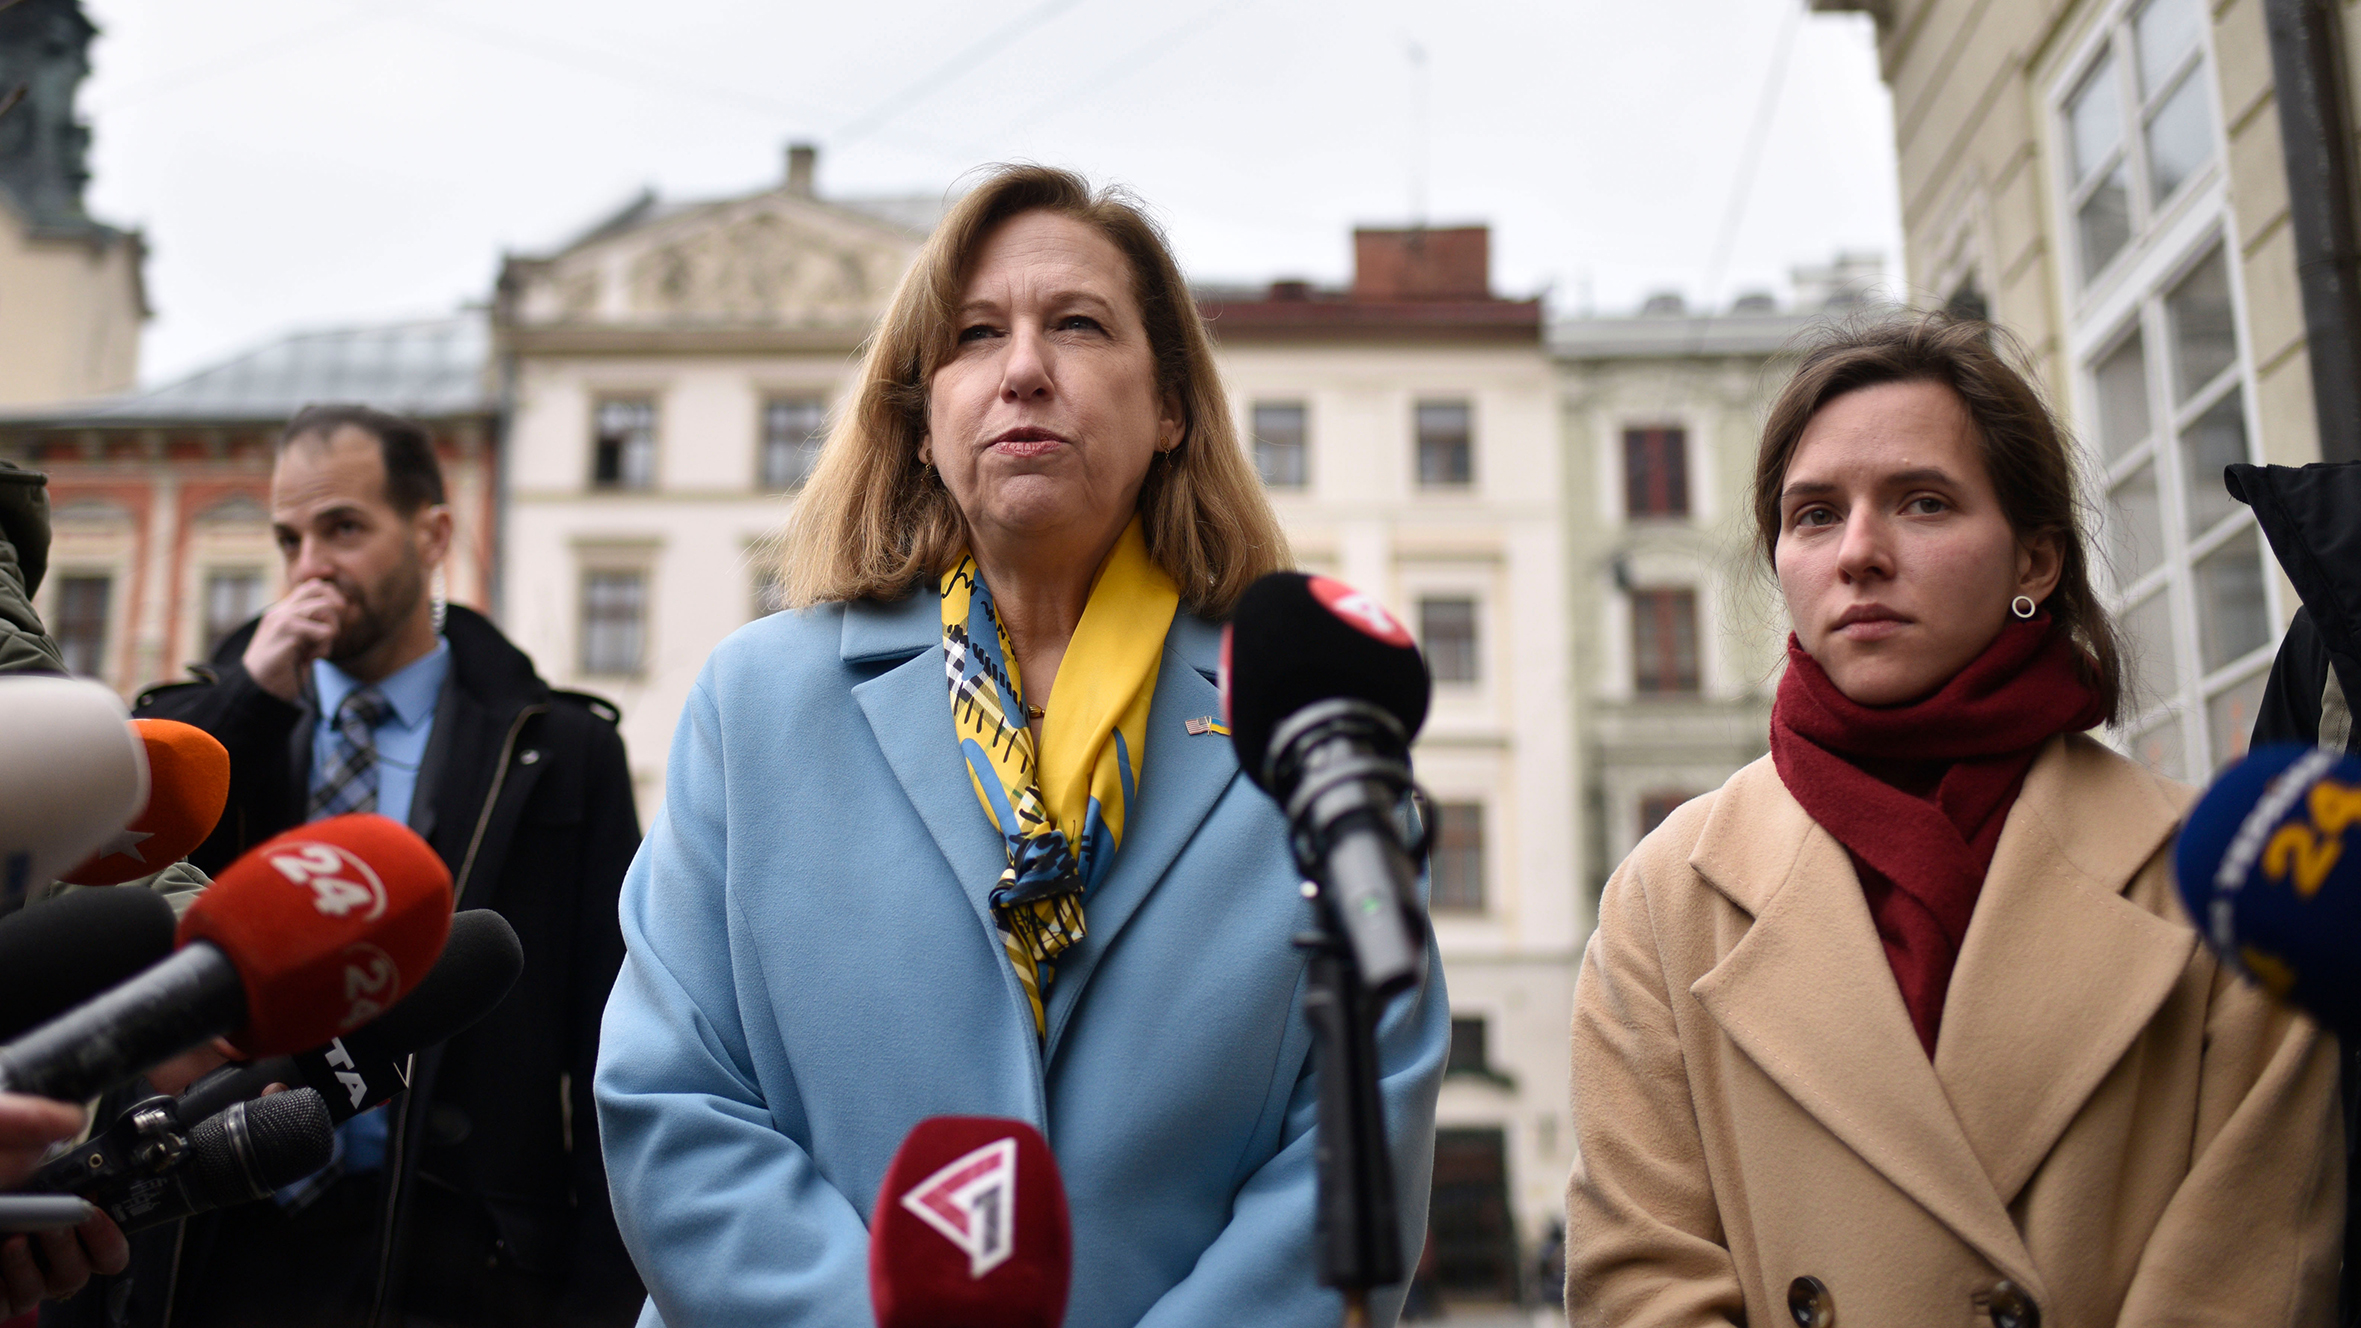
(328, 925)
(971, 1229)
(74, 776)
(481, 961)
(63, 951)
(1295, 640)
(188, 785)
(2270, 869)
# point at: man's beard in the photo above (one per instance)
(378, 611)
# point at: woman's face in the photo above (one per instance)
(1046, 415)
(1895, 559)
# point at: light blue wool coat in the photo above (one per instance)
(813, 969)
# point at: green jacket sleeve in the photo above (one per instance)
(25, 647)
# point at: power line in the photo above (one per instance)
(1156, 48)
(934, 79)
(280, 43)
(1748, 162)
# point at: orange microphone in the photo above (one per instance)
(306, 938)
(188, 785)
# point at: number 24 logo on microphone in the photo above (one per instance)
(341, 883)
(2308, 849)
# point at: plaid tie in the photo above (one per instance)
(349, 783)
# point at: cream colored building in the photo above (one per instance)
(2106, 176)
(668, 374)
(71, 295)
(1677, 627)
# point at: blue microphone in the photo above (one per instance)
(2270, 868)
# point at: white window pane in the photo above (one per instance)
(2204, 328)
(2164, 32)
(2104, 223)
(2094, 120)
(2135, 525)
(2160, 750)
(2229, 717)
(2147, 633)
(2123, 398)
(2180, 137)
(2233, 616)
(2215, 440)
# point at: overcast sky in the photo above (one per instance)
(300, 163)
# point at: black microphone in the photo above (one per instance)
(144, 1171)
(58, 954)
(1324, 690)
(480, 964)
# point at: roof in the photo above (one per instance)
(1297, 311)
(1665, 336)
(430, 368)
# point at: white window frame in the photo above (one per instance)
(2129, 292)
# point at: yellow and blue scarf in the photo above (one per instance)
(1061, 812)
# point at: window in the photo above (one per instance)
(1656, 472)
(2190, 581)
(1279, 443)
(624, 453)
(1446, 445)
(614, 622)
(231, 597)
(1455, 861)
(1467, 1054)
(81, 626)
(1664, 642)
(1657, 805)
(792, 430)
(1448, 629)
(2138, 126)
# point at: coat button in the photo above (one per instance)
(530, 756)
(1810, 1304)
(2010, 1307)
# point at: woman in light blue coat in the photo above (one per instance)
(956, 836)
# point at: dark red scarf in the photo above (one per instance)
(1917, 793)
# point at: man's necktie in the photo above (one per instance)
(349, 783)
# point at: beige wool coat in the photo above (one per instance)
(2114, 1128)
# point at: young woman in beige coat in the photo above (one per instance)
(1903, 1025)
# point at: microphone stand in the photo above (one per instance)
(1345, 765)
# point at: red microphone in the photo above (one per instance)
(970, 1229)
(304, 939)
(188, 785)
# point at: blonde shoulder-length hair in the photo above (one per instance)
(872, 521)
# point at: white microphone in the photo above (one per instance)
(74, 776)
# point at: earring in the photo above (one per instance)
(441, 601)
(2022, 606)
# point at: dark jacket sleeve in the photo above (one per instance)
(256, 727)
(603, 1276)
(2290, 711)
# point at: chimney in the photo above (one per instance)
(1423, 264)
(802, 158)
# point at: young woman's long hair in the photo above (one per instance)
(2025, 451)
(872, 520)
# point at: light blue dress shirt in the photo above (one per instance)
(401, 738)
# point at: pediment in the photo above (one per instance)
(773, 259)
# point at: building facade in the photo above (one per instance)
(71, 295)
(670, 376)
(1677, 625)
(160, 500)
(1406, 430)
(2106, 178)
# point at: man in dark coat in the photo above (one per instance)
(2312, 517)
(481, 1197)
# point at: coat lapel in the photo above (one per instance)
(909, 712)
(2065, 970)
(1182, 776)
(1808, 996)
